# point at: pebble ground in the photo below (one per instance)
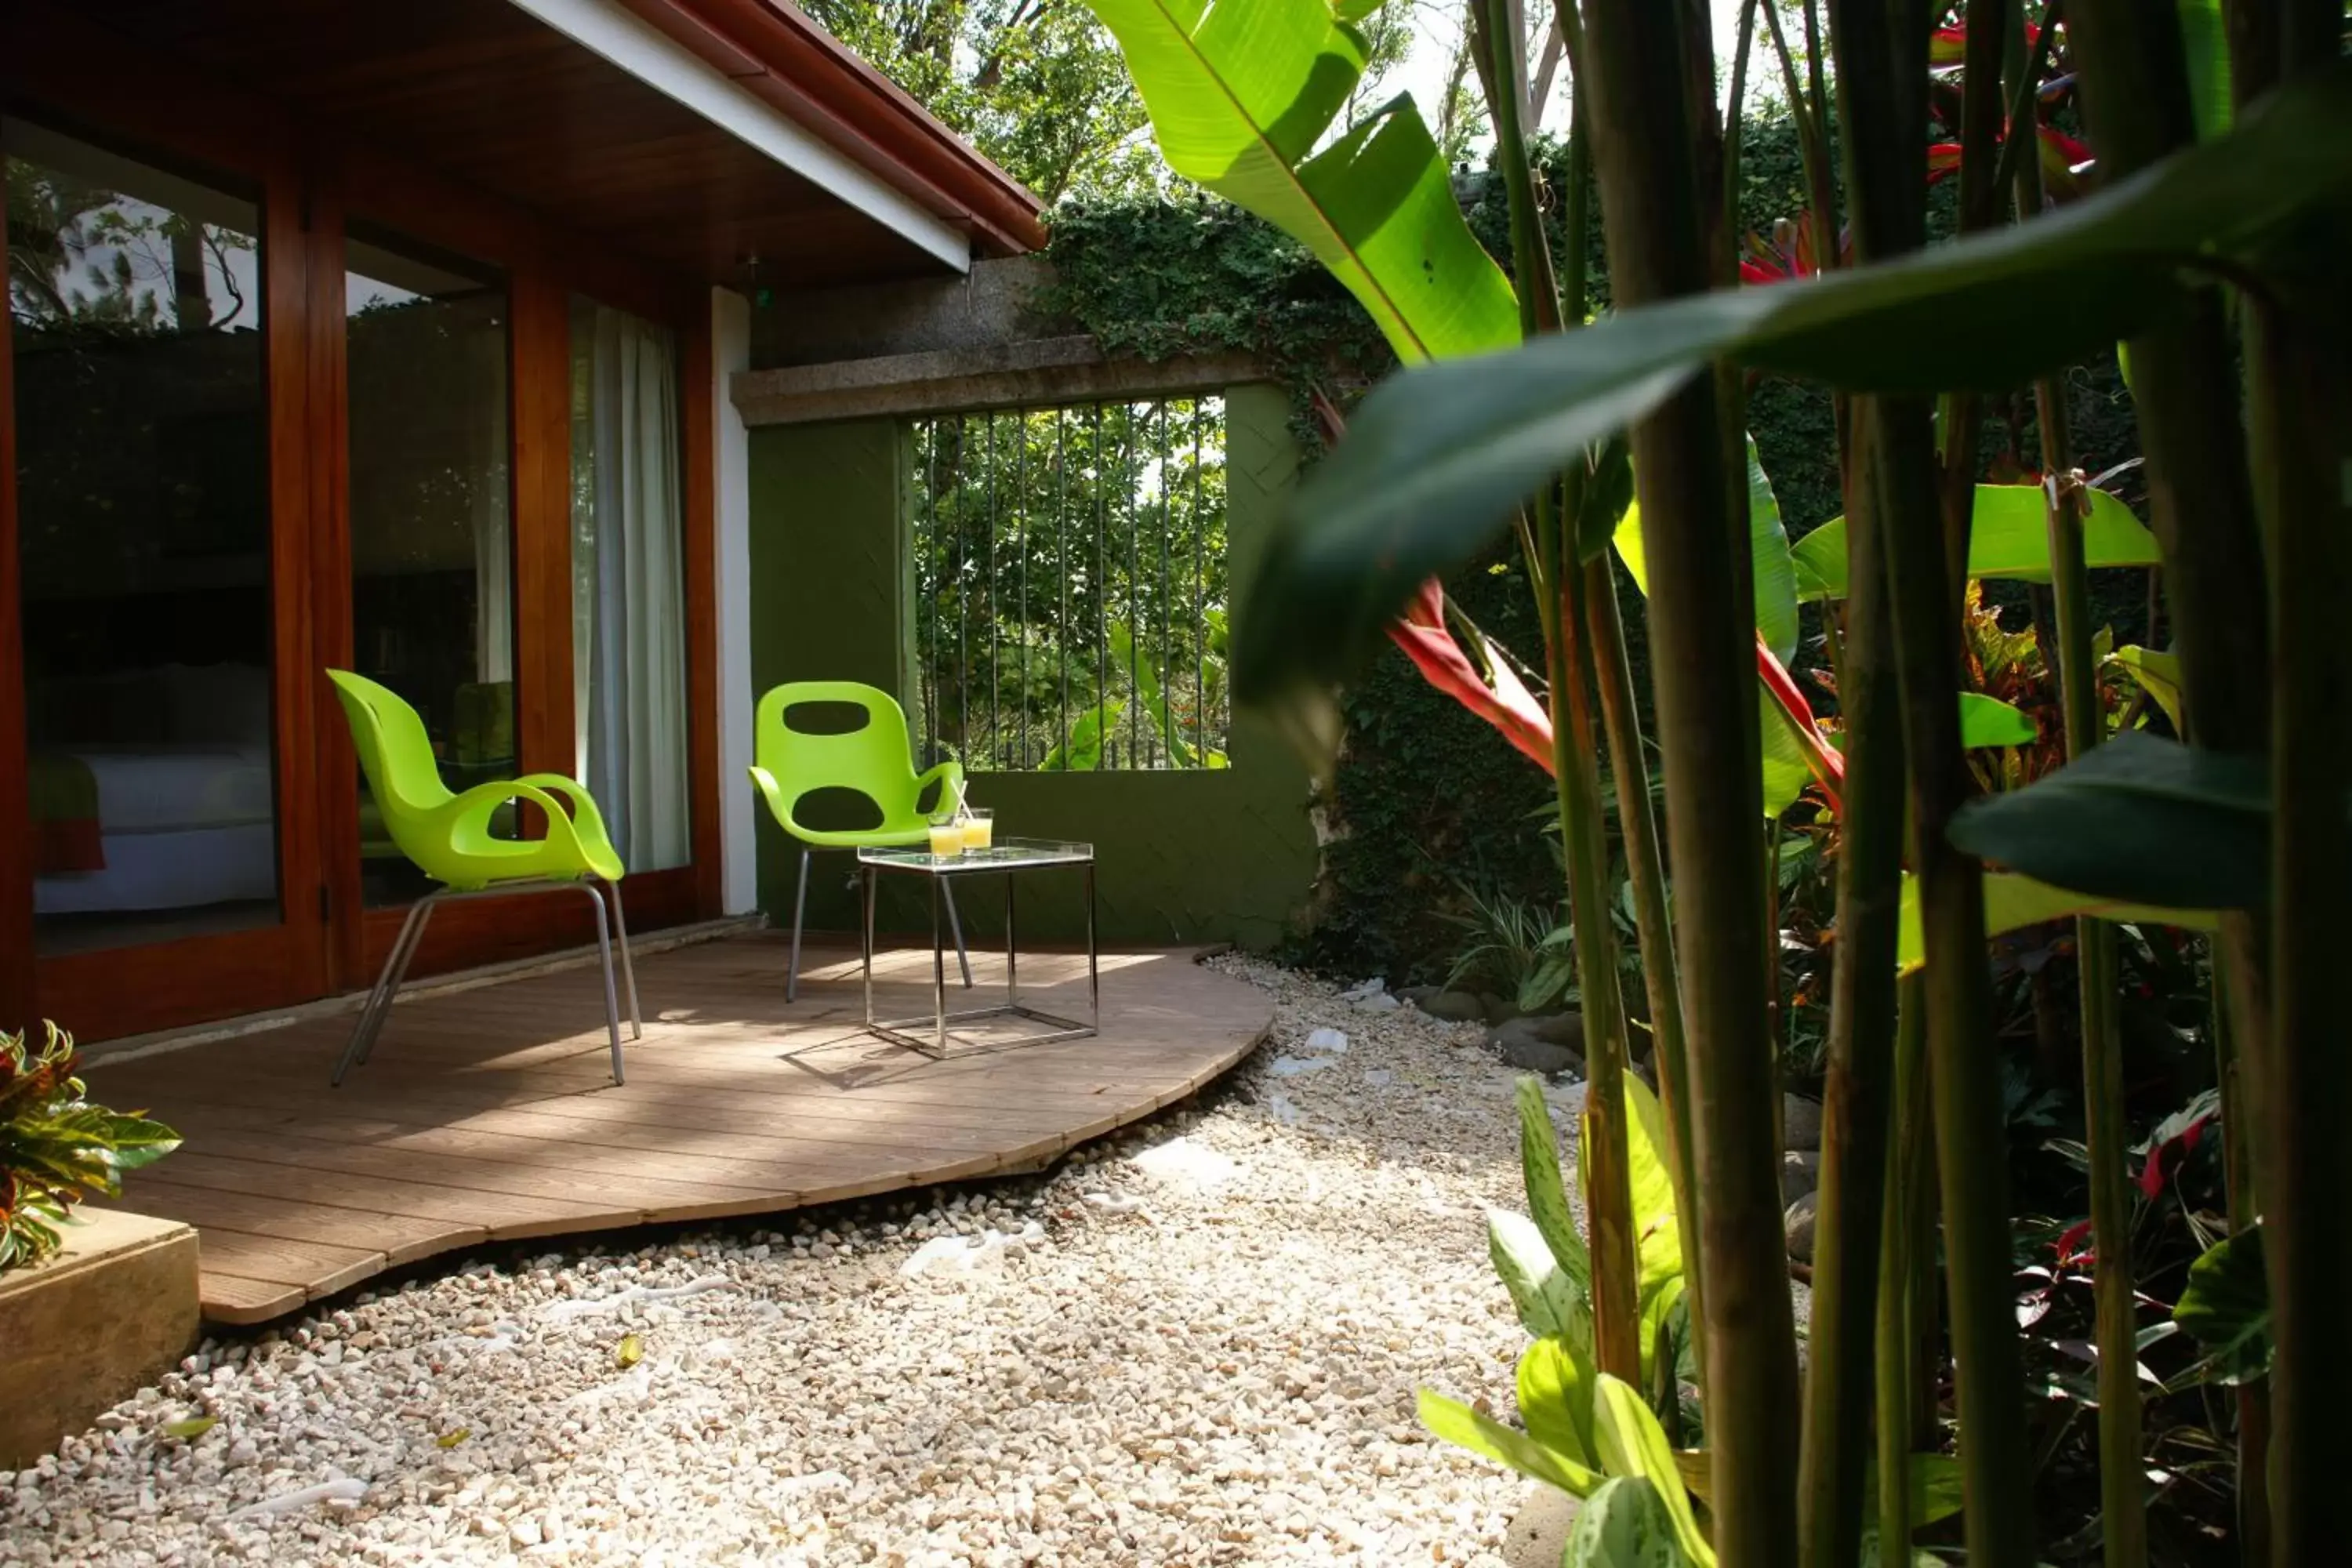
(1195, 1344)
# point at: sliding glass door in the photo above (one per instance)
(136, 308)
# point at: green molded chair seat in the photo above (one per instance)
(873, 760)
(447, 835)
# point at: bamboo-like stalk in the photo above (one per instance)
(1878, 63)
(2122, 1488)
(1851, 1200)
(2123, 1493)
(1906, 1240)
(1638, 826)
(1621, 719)
(1638, 78)
(2200, 507)
(1609, 1204)
(2238, 1168)
(2299, 380)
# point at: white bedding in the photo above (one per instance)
(180, 825)
(169, 871)
(171, 788)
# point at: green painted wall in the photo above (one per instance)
(1181, 856)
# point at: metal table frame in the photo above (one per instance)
(1001, 860)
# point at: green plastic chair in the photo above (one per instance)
(873, 760)
(448, 836)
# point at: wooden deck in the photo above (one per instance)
(489, 1114)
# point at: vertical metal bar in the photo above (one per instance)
(1167, 523)
(938, 970)
(1094, 969)
(1011, 945)
(1021, 564)
(1134, 577)
(995, 625)
(1062, 568)
(963, 642)
(866, 926)
(1102, 587)
(1200, 619)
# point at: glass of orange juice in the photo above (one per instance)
(979, 827)
(947, 836)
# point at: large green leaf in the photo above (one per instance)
(2158, 675)
(1633, 1444)
(1989, 721)
(1556, 1390)
(2013, 903)
(1457, 1423)
(1241, 95)
(1785, 772)
(1624, 1525)
(1440, 457)
(1547, 1192)
(2009, 536)
(1768, 545)
(2226, 1307)
(1657, 1230)
(1548, 1301)
(2140, 819)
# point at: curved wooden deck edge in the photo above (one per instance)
(483, 1118)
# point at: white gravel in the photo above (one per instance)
(1195, 1344)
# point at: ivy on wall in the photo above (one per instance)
(1427, 800)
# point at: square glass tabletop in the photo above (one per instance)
(1004, 855)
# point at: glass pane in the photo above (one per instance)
(628, 584)
(432, 552)
(142, 481)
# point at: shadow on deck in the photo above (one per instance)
(490, 1114)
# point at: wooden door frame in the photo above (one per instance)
(157, 113)
(311, 181)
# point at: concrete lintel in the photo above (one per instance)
(1039, 372)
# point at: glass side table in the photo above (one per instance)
(1009, 857)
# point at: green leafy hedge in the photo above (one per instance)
(1425, 797)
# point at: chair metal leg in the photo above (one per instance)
(800, 903)
(612, 999)
(396, 968)
(955, 925)
(629, 968)
(387, 987)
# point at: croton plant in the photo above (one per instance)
(55, 1146)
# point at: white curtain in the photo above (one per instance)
(493, 542)
(629, 586)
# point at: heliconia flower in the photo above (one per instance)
(1948, 46)
(1421, 631)
(2063, 159)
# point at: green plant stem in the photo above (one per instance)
(1877, 67)
(1608, 1200)
(2238, 1168)
(2123, 1491)
(1638, 77)
(2123, 1494)
(1848, 1223)
(1645, 867)
(1904, 1241)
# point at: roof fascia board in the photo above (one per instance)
(608, 28)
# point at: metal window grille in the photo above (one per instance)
(1070, 586)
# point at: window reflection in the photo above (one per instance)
(431, 549)
(142, 487)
